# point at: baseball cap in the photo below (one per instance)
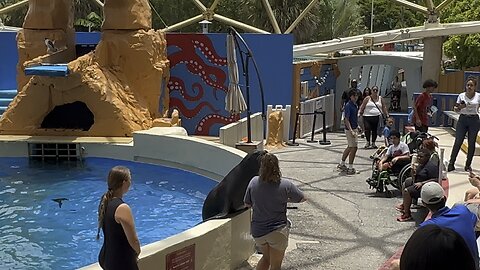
(431, 193)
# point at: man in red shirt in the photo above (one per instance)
(420, 109)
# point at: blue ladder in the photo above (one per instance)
(6, 96)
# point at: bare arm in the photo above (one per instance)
(384, 108)
(364, 103)
(123, 215)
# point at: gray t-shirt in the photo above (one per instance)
(269, 203)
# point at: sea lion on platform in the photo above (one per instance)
(226, 199)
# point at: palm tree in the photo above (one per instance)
(92, 21)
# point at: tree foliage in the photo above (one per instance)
(93, 21)
(465, 49)
(389, 15)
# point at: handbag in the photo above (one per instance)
(384, 119)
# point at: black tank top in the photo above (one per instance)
(117, 252)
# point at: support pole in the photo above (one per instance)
(247, 86)
(312, 139)
(293, 143)
(324, 131)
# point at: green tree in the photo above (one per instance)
(388, 15)
(465, 49)
(92, 22)
(13, 18)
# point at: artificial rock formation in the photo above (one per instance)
(45, 19)
(275, 130)
(127, 15)
(119, 84)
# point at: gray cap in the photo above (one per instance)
(431, 193)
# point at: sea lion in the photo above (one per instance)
(226, 199)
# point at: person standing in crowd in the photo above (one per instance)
(468, 123)
(366, 93)
(268, 195)
(420, 109)
(458, 218)
(433, 247)
(351, 130)
(346, 98)
(387, 130)
(373, 110)
(121, 246)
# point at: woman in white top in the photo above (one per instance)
(373, 110)
(468, 122)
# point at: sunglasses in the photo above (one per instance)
(375, 90)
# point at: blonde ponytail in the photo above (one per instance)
(102, 208)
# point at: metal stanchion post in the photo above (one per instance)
(293, 143)
(312, 139)
(324, 141)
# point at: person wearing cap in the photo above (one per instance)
(457, 218)
(426, 171)
(346, 97)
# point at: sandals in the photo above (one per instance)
(404, 217)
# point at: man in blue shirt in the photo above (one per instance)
(459, 218)
(351, 130)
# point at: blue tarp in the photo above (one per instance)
(48, 70)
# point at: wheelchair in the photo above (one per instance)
(380, 180)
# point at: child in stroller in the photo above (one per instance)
(392, 165)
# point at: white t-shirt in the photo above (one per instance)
(399, 150)
(371, 107)
(472, 104)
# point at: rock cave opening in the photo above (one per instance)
(74, 115)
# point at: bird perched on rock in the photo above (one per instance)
(50, 45)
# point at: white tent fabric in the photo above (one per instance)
(234, 101)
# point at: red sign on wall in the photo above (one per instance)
(182, 259)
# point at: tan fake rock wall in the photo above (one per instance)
(120, 83)
(115, 110)
(31, 44)
(275, 130)
(127, 15)
(52, 19)
(49, 14)
(139, 60)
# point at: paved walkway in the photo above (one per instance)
(344, 224)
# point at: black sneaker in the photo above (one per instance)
(450, 168)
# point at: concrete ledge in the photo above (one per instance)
(219, 245)
(235, 132)
(203, 157)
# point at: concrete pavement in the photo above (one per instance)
(344, 224)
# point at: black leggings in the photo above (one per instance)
(371, 127)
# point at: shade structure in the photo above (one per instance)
(234, 101)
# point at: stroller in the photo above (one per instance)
(380, 180)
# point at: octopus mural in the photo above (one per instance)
(198, 81)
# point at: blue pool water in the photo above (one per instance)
(35, 233)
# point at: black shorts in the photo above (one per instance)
(398, 166)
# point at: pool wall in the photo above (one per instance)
(218, 244)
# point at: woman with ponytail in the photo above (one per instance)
(121, 247)
(268, 195)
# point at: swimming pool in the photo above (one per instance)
(35, 233)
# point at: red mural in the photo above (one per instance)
(201, 97)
